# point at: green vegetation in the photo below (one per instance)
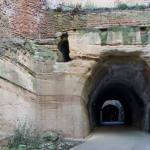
(92, 6)
(103, 35)
(25, 138)
(127, 33)
(115, 28)
(29, 46)
(144, 36)
(141, 7)
(122, 6)
(46, 55)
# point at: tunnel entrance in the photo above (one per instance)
(112, 113)
(128, 101)
(120, 93)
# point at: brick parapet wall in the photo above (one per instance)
(26, 20)
(116, 18)
(29, 19)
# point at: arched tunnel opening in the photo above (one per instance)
(112, 112)
(127, 98)
(109, 113)
(125, 81)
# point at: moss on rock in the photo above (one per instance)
(127, 33)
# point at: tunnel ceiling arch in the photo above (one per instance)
(112, 102)
(124, 78)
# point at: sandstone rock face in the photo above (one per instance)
(58, 96)
(17, 106)
(65, 93)
(18, 102)
(4, 25)
(51, 95)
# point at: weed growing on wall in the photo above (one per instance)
(24, 138)
(122, 6)
(28, 45)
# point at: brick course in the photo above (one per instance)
(29, 19)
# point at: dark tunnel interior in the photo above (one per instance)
(129, 99)
(110, 113)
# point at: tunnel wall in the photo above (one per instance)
(127, 73)
(66, 94)
(65, 89)
(61, 104)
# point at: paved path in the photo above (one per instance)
(116, 138)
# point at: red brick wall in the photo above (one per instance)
(119, 18)
(27, 18)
